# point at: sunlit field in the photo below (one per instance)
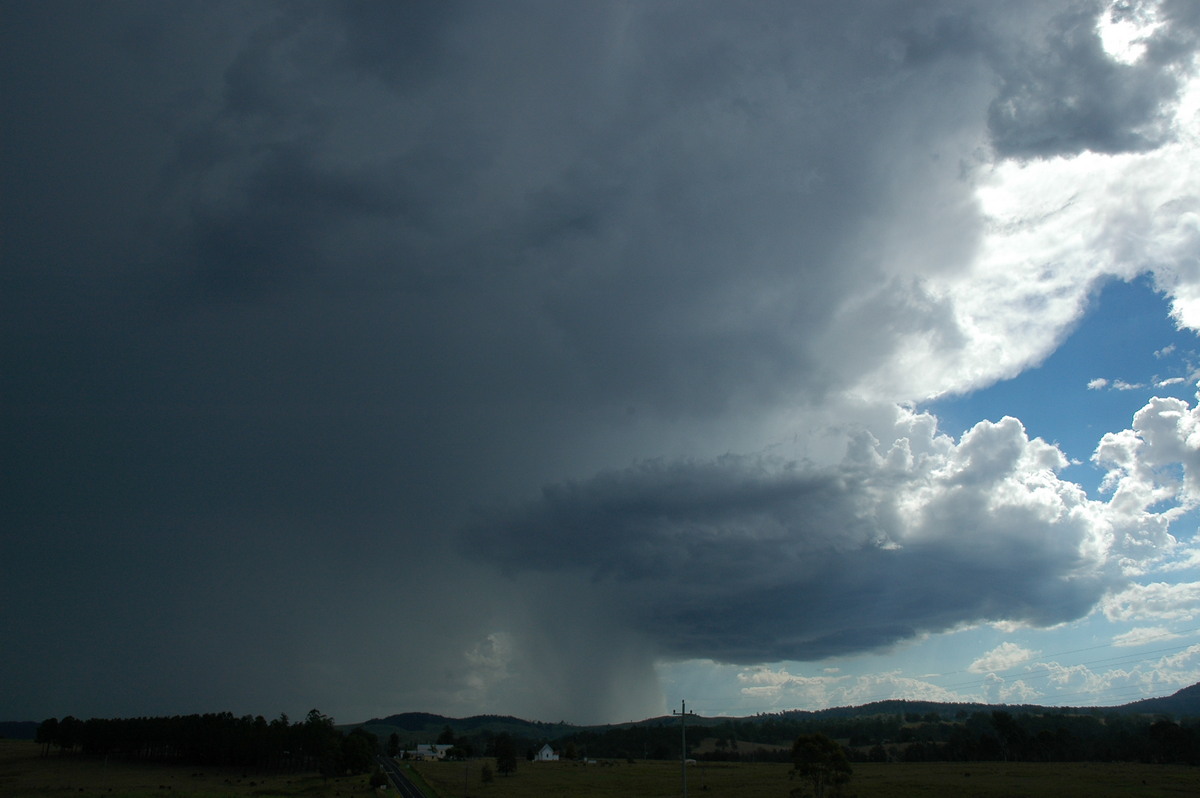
(25, 772)
(755, 780)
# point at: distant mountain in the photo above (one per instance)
(423, 727)
(411, 721)
(1182, 703)
(895, 706)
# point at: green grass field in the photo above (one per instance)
(747, 780)
(24, 773)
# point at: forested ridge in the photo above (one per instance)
(216, 739)
(886, 731)
(965, 733)
(977, 736)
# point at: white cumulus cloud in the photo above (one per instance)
(1157, 601)
(1002, 658)
(1143, 635)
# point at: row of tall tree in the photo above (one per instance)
(978, 736)
(1002, 736)
(222, 739)
(217, 740)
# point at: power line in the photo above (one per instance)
(683, 714)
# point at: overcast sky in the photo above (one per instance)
(569, 360)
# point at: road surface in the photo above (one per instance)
(395, 772)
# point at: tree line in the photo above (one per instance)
(997, 735)
(217, 740)
(1002, 736)
(314, 744)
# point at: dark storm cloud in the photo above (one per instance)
(751, 560)
(289, 287)
(1059, 91)
(1065, 94)
(587, 216)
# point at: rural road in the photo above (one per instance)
(396, 773)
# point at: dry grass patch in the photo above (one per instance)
(765, 780)
(574, 780)
(25, 773)
(1030, 779)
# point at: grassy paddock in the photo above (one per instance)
(760, 780)
(25, 773)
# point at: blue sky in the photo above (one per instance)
(569, 360)
(1126, 337)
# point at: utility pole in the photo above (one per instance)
(683, 713)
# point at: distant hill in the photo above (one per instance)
(1182, 703)
(423, 727)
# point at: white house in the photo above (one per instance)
(546, 754)
(430, 751)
